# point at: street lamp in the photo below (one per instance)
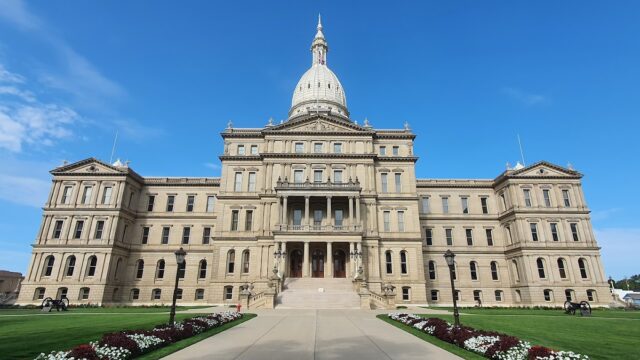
(449, 256)
(180, 255)
(278, 256)
(356, 255)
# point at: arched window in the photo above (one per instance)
(231, 261)
(568, 294)
(91, 265)
(562, 268)
(388, 261)
(71, 265)
(84, 294)
(494, 270)
(199, 294)
(245, 261)
(498, 294)
(182, 269)
(160, 269)
(432, 270)
(48, 265)
(139, 269)
(62, 293)
(591, 295)
(516, 272)
(473, 268)
(540, 264)
(403, 262)
(38, 294)
(582, 265)
(156, 294)
(135, 294)
(202, 269)
(548, 295)
(477, 296)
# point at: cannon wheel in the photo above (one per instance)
(65, 302)
(585, 305)
(568, 308)
(46, 301)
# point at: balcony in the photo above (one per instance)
(319, 228)
(321, 186)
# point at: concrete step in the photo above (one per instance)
(318, 293)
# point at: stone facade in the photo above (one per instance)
(315, 196)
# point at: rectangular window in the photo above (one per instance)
(99, 229)
(297, 217)
(405, 294)
(383, 150)
(171, 199)
(484, 205)
(445, 205)
(299, 148)
(297, 176)
(186, 233)
(554, 231)
(317, 217)
(248, 220)
(448, 234)
(84, 294)
(386, 220)
(252, 181)
(57, 229)
(434, 295)
(66, 195)
(534, 231)
(465, 205)
(383, 178)
(237, 185)
(398, 178)
(234, 220)
(469, 234)
(489, 233)
(228, 293)
(145, 234)
(574, 232)
(337, 148)
(240, 149)
(254, 149)
(211, 202)
(400, 220)
(78, 232)
(206, 234)
(317, 176)
(337, 176)
(565, 198)
(190, 200)
(547, 197)
(106, 195)
(165, 235)
(86, 195)
(150, 201)
(428, 234)
(317, 148)
(425, 205)
(527, 197)
(339, 217)
(396, 150)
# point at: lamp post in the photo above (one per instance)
(356, 255)
(180, 255)
(278, 256)
(449, 256)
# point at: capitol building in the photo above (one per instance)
(317, 211)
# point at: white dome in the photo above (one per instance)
(318, 87)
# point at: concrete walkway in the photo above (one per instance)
(313, 334)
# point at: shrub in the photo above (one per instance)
(84, 351)
(120, 340)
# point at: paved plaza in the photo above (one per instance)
(313, 334)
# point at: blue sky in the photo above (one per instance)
(468, 76)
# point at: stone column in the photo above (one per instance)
(328, 268)
(283, 248)
(329, 222)
(351, 259)
(305, 260)
(351, 210)
(306, 211)
(285, 221)
(358, 211)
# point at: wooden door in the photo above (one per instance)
(339, 264)
(317, 264)
(295, 269)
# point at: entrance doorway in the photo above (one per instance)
(339, 264)
(295, 270)
(317, 264)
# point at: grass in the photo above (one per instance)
(96, 310)
(608, 334)
(162, 352)
(24, 337)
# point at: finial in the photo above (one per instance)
(508, 165)
(570, 166)
(229, 125)
(319, 22)
(406, 126)
(65, 162)
(270, 123)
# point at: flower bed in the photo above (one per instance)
(489, 344)
(132, 343)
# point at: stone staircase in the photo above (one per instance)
(318, 293)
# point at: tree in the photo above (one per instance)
(629, 283)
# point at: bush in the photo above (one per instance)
(84, 351)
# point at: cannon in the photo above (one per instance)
(583, 306)
(49, 304)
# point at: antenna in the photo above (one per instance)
(521, 152)
(113, 149)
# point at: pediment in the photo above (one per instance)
(544, 169)
(320, 124)
(89, 166)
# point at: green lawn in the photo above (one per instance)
(24, 337)
(609, 334)
(81, 310)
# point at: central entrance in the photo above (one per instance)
(339, 264)
(295, 270)
(317, 264)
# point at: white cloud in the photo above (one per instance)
(8, 77)
(16, 13)
(214, 166)
(599, 215)
(24, 190)
(620, 249)
(528, 99)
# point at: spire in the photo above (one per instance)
(319, 47)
